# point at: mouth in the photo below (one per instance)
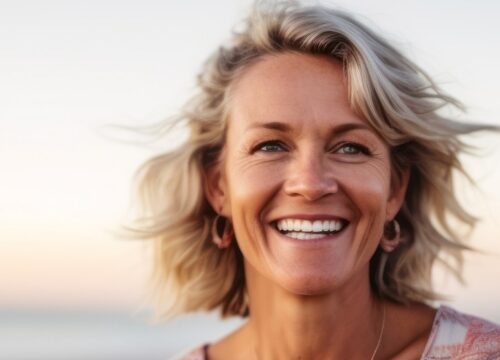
(309, 229)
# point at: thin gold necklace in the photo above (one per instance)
(379, 342)
(381, 333)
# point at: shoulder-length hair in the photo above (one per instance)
(398, 99)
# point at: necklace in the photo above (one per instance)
(379, 342)
(381, 333)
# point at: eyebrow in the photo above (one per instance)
(284, 127)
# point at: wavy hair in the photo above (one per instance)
(398, 99)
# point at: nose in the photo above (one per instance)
(311, 177)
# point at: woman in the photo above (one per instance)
(313, 196)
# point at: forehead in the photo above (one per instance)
(293, 88)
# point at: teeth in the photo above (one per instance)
(305, 236)
(318, 226)
(307, 226)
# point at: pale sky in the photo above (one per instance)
(69, 68)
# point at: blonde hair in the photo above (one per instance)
(394, 95)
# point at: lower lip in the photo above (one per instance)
(311, 242)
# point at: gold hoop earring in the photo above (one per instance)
(392, 236)
(224, 240)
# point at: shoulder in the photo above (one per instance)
(195, 354)
(456, 335)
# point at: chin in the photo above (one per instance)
(309, 285)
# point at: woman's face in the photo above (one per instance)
(304, 180)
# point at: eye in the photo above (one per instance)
(352, 149)
(270, 146)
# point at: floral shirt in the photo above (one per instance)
(454, 336)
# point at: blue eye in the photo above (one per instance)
(353, 149)
(270, 146)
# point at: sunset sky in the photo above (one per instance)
(69, 70)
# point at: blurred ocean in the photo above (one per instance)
(90, 335)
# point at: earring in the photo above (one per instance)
(224, 240)
(392, 236)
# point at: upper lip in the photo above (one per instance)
(311, 217)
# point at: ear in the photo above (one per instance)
(215, 188)
(399, 186)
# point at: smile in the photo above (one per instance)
(309, 229)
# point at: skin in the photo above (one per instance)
(296, 149)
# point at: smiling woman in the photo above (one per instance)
(314, 161)
(313, 196)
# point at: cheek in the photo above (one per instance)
(368, 186)
(251, 189)
(253, 183)
(368, 190)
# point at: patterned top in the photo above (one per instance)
(459, 336)
(454, 336)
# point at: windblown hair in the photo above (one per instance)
(398, 99)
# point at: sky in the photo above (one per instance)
(70, 70)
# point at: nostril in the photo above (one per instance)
(310, 177)
(310, 188)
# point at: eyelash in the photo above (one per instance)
(260, 146)
(360, 149)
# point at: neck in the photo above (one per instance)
(343, 324)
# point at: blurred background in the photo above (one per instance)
(70, 286)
